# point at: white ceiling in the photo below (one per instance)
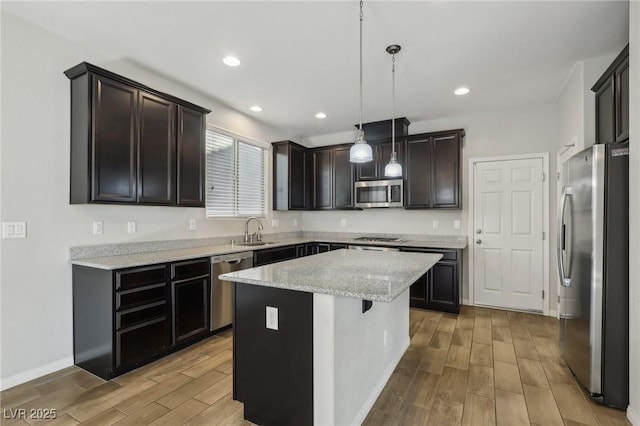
(301, 57)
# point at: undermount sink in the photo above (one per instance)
(256, 243)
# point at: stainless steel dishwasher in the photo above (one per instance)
(221, 290)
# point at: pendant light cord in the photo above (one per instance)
(393, 94)
(361, 14)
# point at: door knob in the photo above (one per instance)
(478, 231)
(478, 241)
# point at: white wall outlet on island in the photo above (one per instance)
(275, 223)
(272, 318)
(295, 222)
(435, 224)
(343, 223)
(14, 229)
(131, 227)
(456, 224)
(192, 224)
(98, 227)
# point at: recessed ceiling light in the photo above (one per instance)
(256, 108)
(231, 61)
(321, 115)
(461, 91)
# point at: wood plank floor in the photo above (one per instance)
(480, 367)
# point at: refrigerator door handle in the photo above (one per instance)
(564, 280)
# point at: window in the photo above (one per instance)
(235, 176)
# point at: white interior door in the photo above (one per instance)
(508, 241)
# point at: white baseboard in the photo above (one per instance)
(553, 313)
(34, 373)
(375, 392)
(465, 302)
(633, 416)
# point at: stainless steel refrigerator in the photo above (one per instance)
(593, 263)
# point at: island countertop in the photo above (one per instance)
(369, 275)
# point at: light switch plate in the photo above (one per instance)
(456, 224)
(272, 318)
(131, 227)
(192, 224)
(435, 224)
(343, 223)
(295, 222)
(14, 229)
(98, 227)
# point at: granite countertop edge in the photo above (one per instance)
(163, 256)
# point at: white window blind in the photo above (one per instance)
(235, 177)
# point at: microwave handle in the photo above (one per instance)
(389, 193)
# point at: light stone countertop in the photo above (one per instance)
(130, 260)
(369, 275)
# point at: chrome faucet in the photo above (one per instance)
(246, 230)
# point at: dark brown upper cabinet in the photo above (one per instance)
(612, 101)
(292, 176)
(323, 178)
(133, 144)
(343, 173)
(374, 170)
(333, 178)
(433, 170)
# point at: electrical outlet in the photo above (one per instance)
(456, 224)
(275, 223)
(272, 318)
(131, 227)
(343, 223)
(98, 227)
(192, 224)
(435, 224)
(295, 222)
(14, 229)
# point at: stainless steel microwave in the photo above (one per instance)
(379, 193)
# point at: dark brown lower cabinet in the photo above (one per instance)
(190, 308)
(125, 318)
(439, 288)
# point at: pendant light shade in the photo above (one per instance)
(361, 151)
(393, 168)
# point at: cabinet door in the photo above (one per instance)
(113, 174)
(622, 101)
(323, 178)
(418, 293)
(443, 291)
(298, 184)
(190, 308)
(301, 250)
(337, 246)
(191, 140)
(605, 113)
(445, 171)
(322, 247)
(156, 150)
(342, 178)
(370, 170)
(418, 185)
(385, 149)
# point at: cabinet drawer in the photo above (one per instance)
(264, 257)
(446, 254)
(140, 314)
(136, 344)
(141, 296)
(189, 269)
(140, 277)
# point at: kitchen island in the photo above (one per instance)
(317, 338)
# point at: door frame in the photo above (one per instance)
(544, 156)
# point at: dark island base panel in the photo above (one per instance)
(273, 369)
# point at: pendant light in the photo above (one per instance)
(393, 168)
(360, 152)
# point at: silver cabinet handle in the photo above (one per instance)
(478, 241)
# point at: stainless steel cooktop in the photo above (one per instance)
(380, 239)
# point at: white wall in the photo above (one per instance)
(36, 311)
(633, 411)
(515, 131)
